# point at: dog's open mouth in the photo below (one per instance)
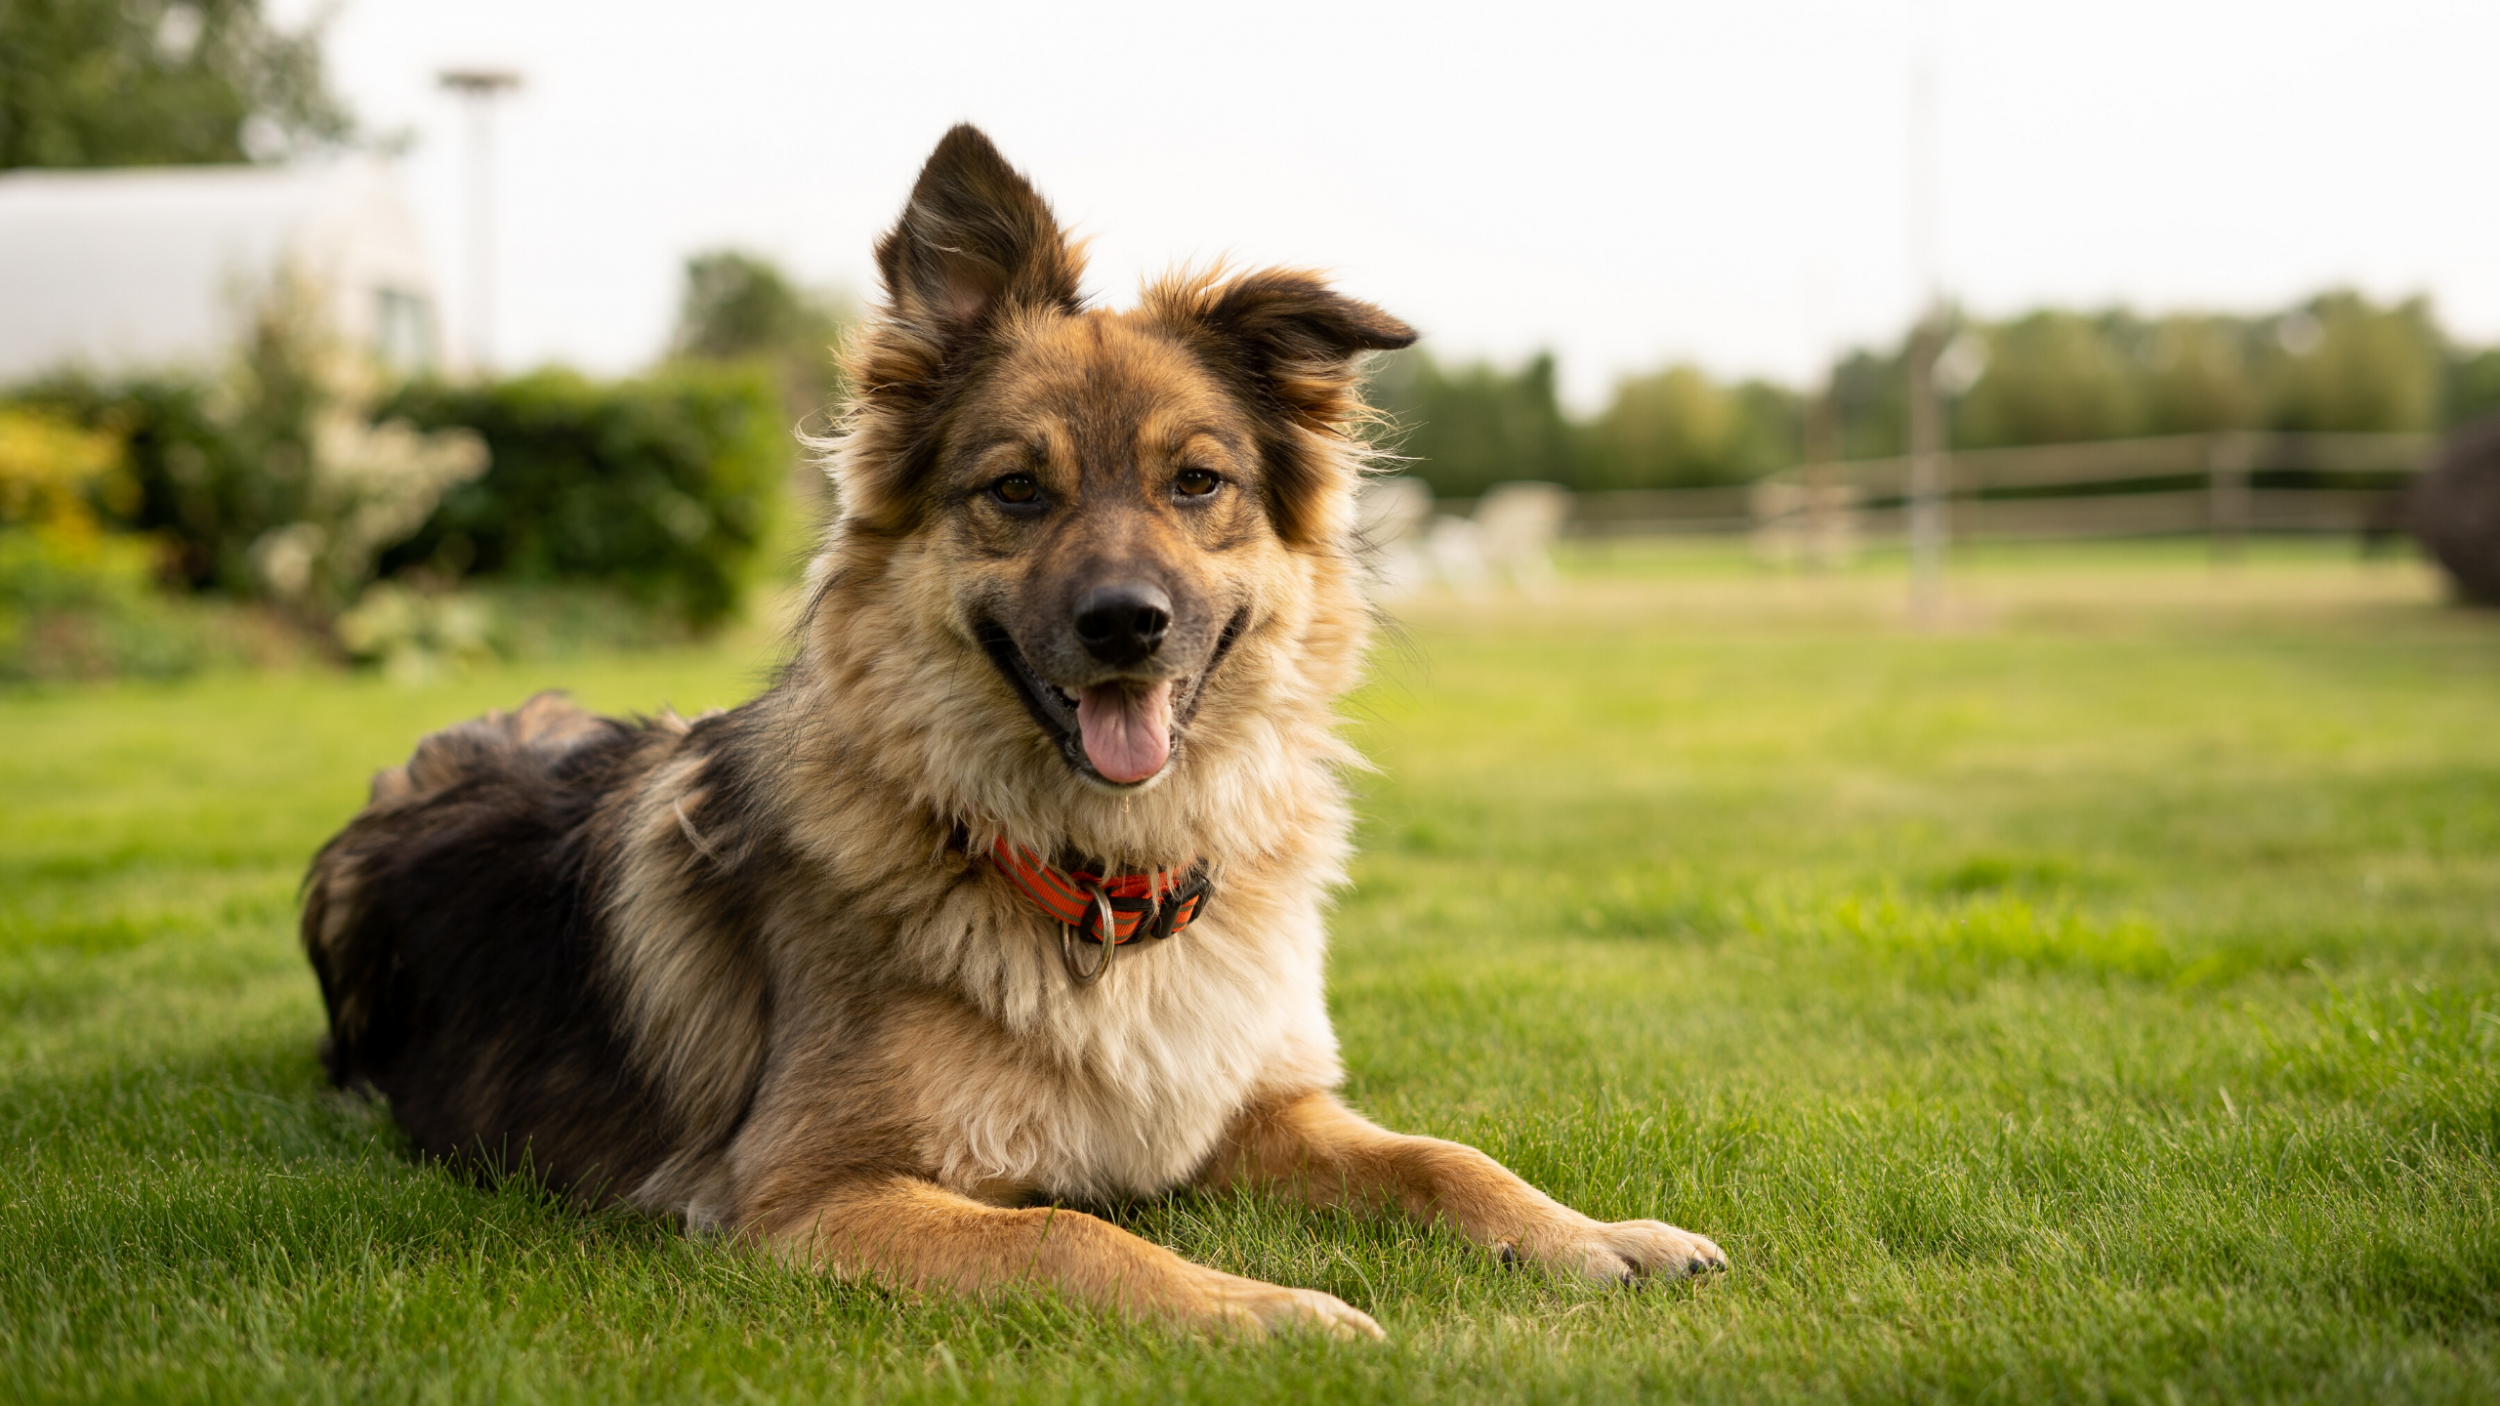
(1121, 731)
(1126, 728)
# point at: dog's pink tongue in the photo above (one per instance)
(1127, 728)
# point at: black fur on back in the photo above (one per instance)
(454, 930)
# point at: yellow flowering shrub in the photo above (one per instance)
(58, 479)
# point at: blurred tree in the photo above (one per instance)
(1870, 399)
(2053, 377)
(2473, 385)
(157, 82)
(2050, 376)
(2199, 377)
(1679, 428)
(737, 306)
(2341, 363)
(1468, 428)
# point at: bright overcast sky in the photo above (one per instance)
(1626, 184)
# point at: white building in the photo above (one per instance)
(162, 267)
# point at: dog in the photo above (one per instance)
(1009, 891)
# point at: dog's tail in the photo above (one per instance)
(351, 929)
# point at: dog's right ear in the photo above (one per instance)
(975, 240)
(976, 244)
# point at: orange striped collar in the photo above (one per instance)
(1156, 905)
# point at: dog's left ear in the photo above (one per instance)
(1296, 345)
(1298, 339)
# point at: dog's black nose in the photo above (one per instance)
(1122, 624)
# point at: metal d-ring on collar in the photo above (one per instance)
(1089, 907)
(1106, 922)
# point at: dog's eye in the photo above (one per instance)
(1017, 490)
(1196, 483)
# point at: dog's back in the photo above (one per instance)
(452, 930)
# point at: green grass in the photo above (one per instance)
(2094, 1000)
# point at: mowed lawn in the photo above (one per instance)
(2097, 999)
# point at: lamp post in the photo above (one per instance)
(1928, 489)
(477, 89)
(1927, 471)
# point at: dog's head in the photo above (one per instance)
(1102, 505)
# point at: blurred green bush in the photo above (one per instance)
(371, 521)
(270, 478)
(662, 487)
(201, 484)
(77, 599)
(1678, 428)
(1466, 428)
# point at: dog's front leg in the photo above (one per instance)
(1316, 1148)
(916, 1234)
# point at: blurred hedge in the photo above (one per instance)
(1464, 428)
(208, 481)
(661, 487)
(76, 598)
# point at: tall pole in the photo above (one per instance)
(1928, 489)
(478, 88)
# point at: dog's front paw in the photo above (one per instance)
(1254, 1309)
(1622, 1252)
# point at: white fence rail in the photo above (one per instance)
(2225, 484)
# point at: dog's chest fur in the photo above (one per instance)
(925, 1005)
(1122, 1088)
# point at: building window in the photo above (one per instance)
(403, 329)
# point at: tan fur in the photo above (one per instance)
(916, 1235)
(881, 1058)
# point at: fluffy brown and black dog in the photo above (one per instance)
(1091, 593)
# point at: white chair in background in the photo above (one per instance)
(1389, 516)
(1515, 528)
(1457, 550)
